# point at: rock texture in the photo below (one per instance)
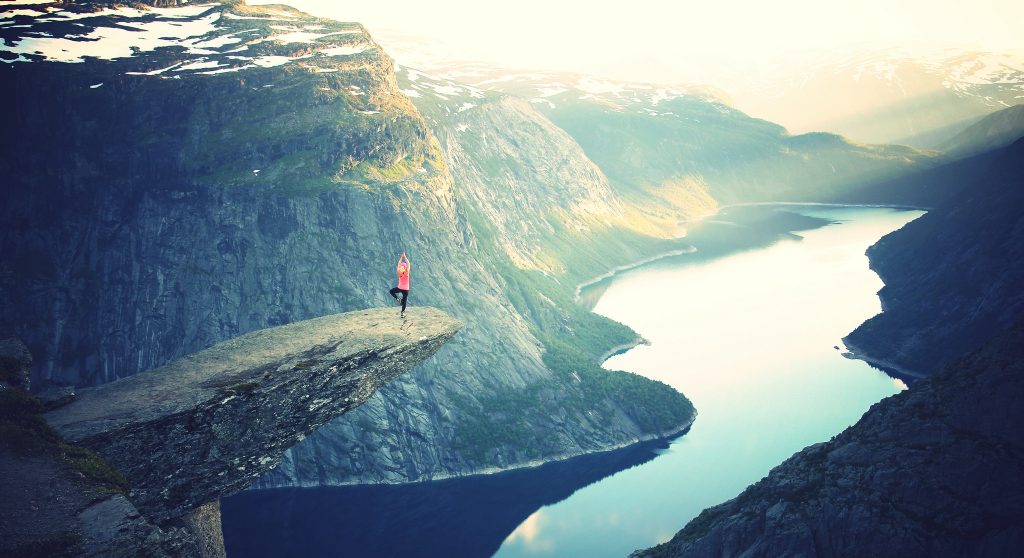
(934, 471)
(207, 425)
(953, 277)
(15, 364)
(197, 429)
(544, 218)
(162, 212)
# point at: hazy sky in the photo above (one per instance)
(674, 40)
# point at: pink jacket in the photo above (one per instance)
(403, 276)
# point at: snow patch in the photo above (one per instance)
(272, 61)
(551, 90)
(118, 42)
(200, 64)
(230, 15)
(344, 50)
(154, 72)
(447, 89)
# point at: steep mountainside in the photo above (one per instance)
(874, 93)
(736, 157)
(546, 219)
(933, 471)
(248, 167)
(665, 145)
(952, 278)
(996, 130)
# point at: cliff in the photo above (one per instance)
(546, 218)
(251, 166)
(933, 471)
(205, 426)
(676, 146)
(953, 278)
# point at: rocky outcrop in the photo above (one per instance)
(207, 425)
(15, 364)
(934, 471)
(544, 218)
(188, 433)
(270, 171)
(952, 278)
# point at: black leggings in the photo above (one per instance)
(405, 295)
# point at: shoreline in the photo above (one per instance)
(893, 370)
(830, 204)
(626, 267)
(851, 352)
(532, 464)
(622, 348)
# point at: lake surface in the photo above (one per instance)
(746, 327)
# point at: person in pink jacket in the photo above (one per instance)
(404, 267)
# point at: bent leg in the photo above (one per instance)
(394, 292)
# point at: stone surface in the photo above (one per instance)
(934, 471)
(205, 426)
(15, 364)
(57, 396)
(136, 231)
(204, 525)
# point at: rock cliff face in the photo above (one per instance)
(674, 146)
(252, 166)
(190, 432)
(546, 219)
(933, 471)
(207, 425)
(953, 277)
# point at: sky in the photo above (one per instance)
(672, 41)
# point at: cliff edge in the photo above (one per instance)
(205, 426)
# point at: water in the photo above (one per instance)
(748, 335)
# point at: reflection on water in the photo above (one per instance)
(465, 517)
(749, 336)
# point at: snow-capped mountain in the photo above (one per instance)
(916, 96)
(919, 97)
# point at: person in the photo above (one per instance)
(404, 267)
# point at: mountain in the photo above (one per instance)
(667, 146)
(246, 167)
(870, 93)
(880, 94)
(998, 129)
(932, 471)
(952, 277)
(547, 220)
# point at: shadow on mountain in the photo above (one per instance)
(456, 517)
(934, 186)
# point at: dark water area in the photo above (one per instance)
(458, 517)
